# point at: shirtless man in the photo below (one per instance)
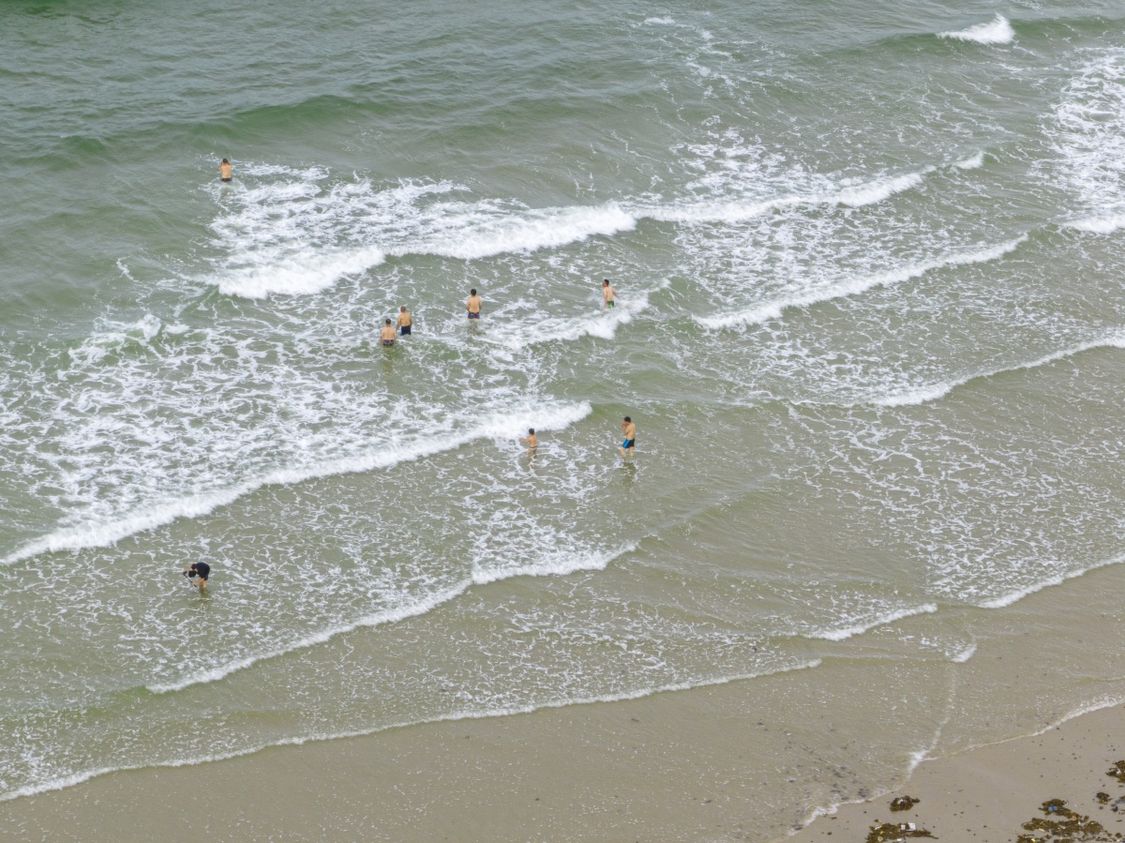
(387, 334)
(405, 321)
(629, 442)
(531, 440)
(226, 170)
(473, 304)
(609, 295)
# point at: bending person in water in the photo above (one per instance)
(472, 306)
(198, 573)
(405, 321)
(387, 334)
(226, 170)
(609, 295)
(628, 444)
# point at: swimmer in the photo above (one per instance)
(531, 440)
(473, 304)
(405, 321)
(197, 573)
(629, 442)
(226, 170)
(387, 334)
(609, 295)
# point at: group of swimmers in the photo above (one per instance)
(404, 324)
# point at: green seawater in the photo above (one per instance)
(870, 326)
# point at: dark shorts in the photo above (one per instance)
(610, 303)
(474, 316)
(404, 329)
(627, 443)
(230, 179)
(388, 343)
(202, 570)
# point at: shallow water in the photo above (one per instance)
(871, 328)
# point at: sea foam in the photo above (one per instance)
(104, 533)
(773, 309)
(996, 31)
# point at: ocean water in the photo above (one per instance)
(869, 259)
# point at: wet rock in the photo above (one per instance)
(1102, 797)
(903, 803)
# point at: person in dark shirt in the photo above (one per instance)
(198, 573)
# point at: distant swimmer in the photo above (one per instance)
(405, 321)
(609, 295)
(387, 334)
(629, 442)
(198, 573)
(473, 304)
(531, 440)
(226, 170)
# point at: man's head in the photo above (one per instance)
(473, 291)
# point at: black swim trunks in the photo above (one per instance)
(404, 330)
(201, 570)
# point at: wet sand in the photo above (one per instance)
(679, 766)
(987, 794)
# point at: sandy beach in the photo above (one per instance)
(990, 793)
(749, 760)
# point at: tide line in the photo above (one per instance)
(62, 782)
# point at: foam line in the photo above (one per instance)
(559, 565)
(768, 310)
(854, 196)
(500, 425)
(933, 392)
(996, 31)
(1099, 224)
(859, 629)
(78, 778)
(1015, 596)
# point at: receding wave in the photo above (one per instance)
(996, 31)
(933, 392)
(1019, 594)
(502, 425)
(773, 309)
(858, 629)
(63, 782)
(560, 563)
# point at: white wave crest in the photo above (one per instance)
(973, 162)
(560, 562)
(527, 232)
(996, 31)
(859, 629)
(506, 424)
(933, 392)
(773, 309)
(1099, 224)
(298, 274)
(852, 196)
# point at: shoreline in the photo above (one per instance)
(751, 759)
(655, 768)
(990, 792)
